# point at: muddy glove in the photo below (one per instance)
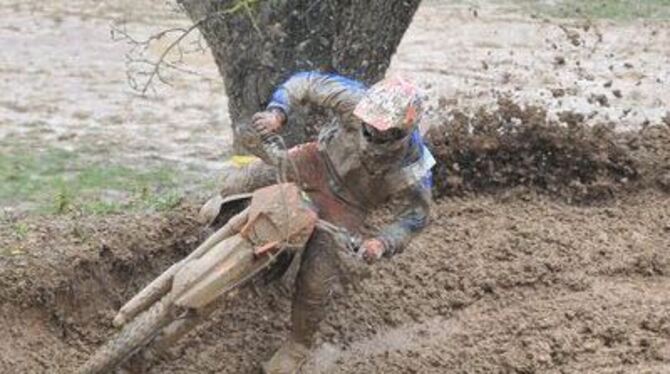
(372, 250)
(268, 122)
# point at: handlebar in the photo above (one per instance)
(270, 148)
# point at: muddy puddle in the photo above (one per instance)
(66, 85)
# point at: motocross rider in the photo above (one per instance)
(373, 152)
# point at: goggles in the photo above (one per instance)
(376, 136)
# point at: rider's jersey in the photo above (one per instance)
(362, 174)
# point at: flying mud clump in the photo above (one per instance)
(520, 146)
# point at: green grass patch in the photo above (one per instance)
(620, 10)
(59, 181)
(607, 9)
(20, 230)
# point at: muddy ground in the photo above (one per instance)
(549, 249)
(509, 282)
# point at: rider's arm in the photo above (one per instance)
(326, 90)
(412, 219)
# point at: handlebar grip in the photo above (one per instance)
(265, 147)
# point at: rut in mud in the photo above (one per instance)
(515, 274)
(60, 283)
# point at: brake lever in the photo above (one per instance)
(354, 244)
(350, 242)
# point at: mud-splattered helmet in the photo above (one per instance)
(389, 110)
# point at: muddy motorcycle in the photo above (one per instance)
(278, 221)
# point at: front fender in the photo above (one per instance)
(202, 280)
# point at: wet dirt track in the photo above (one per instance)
(499, 283)
(512, 281)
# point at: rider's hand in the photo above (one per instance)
(269, 121)
(372, 250)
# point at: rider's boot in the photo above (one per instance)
(237, 178)
(314, 284)
(288, 359)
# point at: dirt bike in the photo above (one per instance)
(278, 220)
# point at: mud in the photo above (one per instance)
(65, 84)
(548, 251)
(519, 272)
(519, 145)
(472, 54)
(499, 283)
(61, 279)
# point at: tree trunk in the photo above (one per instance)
(259, 43)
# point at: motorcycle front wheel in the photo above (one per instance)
(133, 337)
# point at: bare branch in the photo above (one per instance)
(135, 57)
(157, 66)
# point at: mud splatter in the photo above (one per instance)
(518, 145)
